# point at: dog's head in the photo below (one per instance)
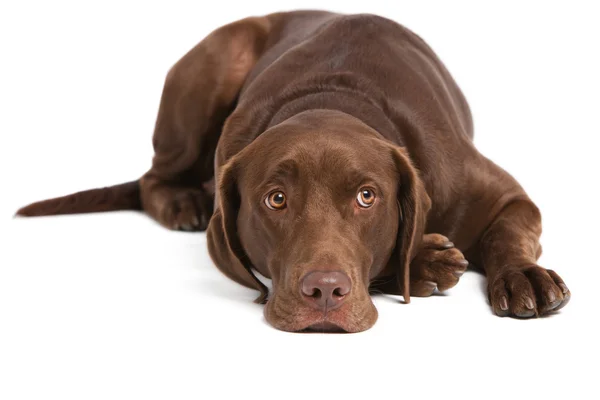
(321, 204)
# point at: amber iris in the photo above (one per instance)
(365, 197)
(276, 201)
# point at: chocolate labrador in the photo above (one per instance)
(338, 153)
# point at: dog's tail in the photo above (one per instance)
(125, 196)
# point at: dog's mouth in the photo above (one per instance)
(323, 327)
(357, 314)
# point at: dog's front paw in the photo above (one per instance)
(188, 210)
(438, 264)
(527, 292)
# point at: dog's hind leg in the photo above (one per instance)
(200, 92)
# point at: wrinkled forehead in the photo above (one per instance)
(330, 158)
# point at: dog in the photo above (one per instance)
(334, 155)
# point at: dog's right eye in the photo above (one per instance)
(276, 201)
(365, 197)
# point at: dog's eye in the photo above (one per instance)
(276, 201)
(365, 197)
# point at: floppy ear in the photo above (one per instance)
(413, 204)
(224, 245)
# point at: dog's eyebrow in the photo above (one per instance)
(353, 178)
(285, 170)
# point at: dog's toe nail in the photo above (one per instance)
(464, 263)
(564, 287)
(430, 286)
(553, 306)
(551, 297)
(504, 303)
(448, 245)
(525, 314)
(562, 303)
(458, 274)
(529, 303)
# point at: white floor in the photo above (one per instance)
(114, 306)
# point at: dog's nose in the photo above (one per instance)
(325, 290)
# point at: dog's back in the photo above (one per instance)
(383, 60)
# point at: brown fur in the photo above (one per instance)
(319, 105)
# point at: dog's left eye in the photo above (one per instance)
(365, 197)
(276, 201)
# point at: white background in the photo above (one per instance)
(114, 306)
